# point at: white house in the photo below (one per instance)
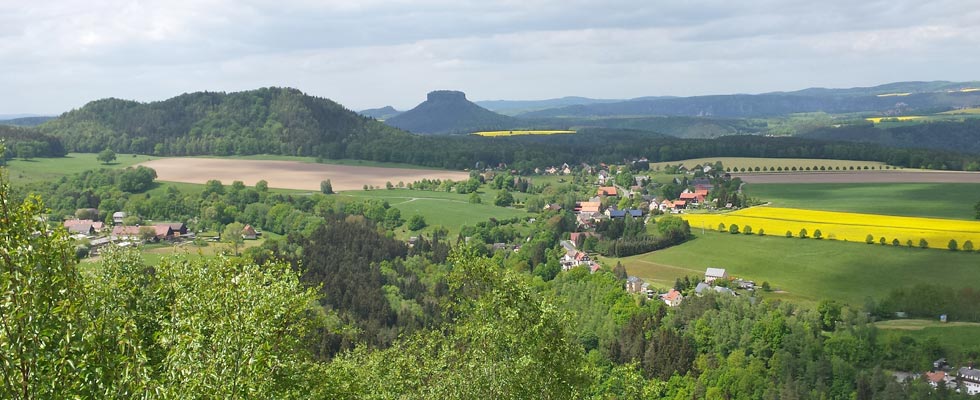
(970, 378)
(714, 273)
(673, 298)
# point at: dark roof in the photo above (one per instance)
(635, 213)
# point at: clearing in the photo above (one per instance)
(808, 270)
(519, 133)
(289, 174)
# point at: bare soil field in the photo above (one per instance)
(289, 174)
(886, 176)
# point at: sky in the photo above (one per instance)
(56, 55)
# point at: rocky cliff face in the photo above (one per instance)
(447, 112)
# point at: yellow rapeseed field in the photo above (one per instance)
(877, 120)
(519, 133)
(894, 94)
(852, 227)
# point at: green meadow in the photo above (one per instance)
(42, 169)
(938, 200)
(807, 270)
(449, 210)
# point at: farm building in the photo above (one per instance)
(607, 191)
(118, 216)
(712, 274)
(249, 233)
(83, 226)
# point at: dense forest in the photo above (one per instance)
(27, 143)
(941, 135)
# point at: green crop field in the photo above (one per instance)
(449, 210)
(41, 169)
(939, 200)
(808, 270)
(749, 162)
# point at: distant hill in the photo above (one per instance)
(514, 107)
(26, 121)
(382, 113)
(263, 121)
(447, 111)
(681, 127)
(907, 96)
(953, 136)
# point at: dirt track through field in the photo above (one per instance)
(289, 174)
(864, 177)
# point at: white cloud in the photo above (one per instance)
(60, 54)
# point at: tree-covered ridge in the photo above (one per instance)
(264, 121)
(28, 143)
(942, 135)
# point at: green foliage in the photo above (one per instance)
(870, 239)
(747, 230)
(952, 245)
(416, 222)
(106, 156)
(803, 233)
(968, 245)
(733, 229)
(232, 234)
(326, 187)
(923, 244)
(503, 199)
(498, 317)
(817, 234)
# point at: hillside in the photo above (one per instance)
(515, 107)
(382, 113)
(447, 111)
(28, 143)
(904, 95)
(954, 136)
(264, 121)
(682, 127)
(26, 121)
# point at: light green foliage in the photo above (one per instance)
(506, 343)
(232, 234)
(503, 199)
(416, 222)
(41, 300)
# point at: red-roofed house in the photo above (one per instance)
(607, 191)
(588, 207)
(673, 298)
(579, 237)
(248, 232)
(594, 267)
(83, 226)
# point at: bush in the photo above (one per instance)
(762, 232)
(952, 245)
(733, 229)
(803, 233)
(870, 239)
(817, 234)
(923, 244)
(967, 246)
(789, 234)
(416, 222)
(747, 230)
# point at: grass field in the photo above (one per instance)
(963, 111)
(519, 133)
(449, 210)
(750, 162)
(41, 169)
(909, 199)
(841, 226)
(959, 339)
(807, 270)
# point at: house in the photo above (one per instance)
(118, 216)
(178, 228)
(635, 213)
(552, 207)
(640, 180)
(702, 288)
(666, 205)
(673, 298)
(594, 267)
(83, 226)
(607, 191)
(163, 232)
(568, 245)
(682, 170)
(588, 207)
(940, 378)
(970, 378)
(680, 204)
(634, 284)
(123, 232)
(551, 170)
(579, 237)
(712, 274)
(249, 233)
(612, 212)
(603, 177)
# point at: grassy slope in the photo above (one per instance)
(439, 208)
(39, 169)
(939, 200)
(808, 270)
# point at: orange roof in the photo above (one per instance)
(680, 202)
(936, 377)
(688, 195)
(672, 295)
(607, 190)
(701, 192)
(126, 230)
(589, 206)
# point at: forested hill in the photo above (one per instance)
(955, 136)
(903, 95)
(263, 121)
(27, 143)
(380, 113)
(447, 111)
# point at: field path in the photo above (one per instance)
(289, 174)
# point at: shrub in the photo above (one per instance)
(803, 233)
(817, 234)
(967, 246)
(952, 245)
(733, 229)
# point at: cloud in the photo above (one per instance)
(59, 54)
